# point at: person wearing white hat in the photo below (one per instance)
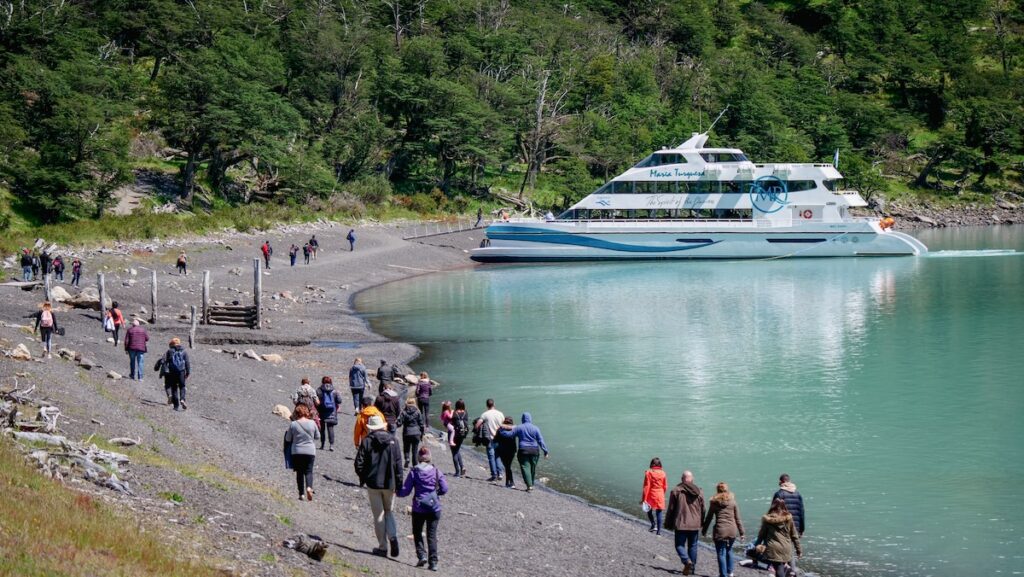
(378, 464)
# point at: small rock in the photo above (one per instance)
(21, 353)
(65, 353)
(143, 311)
(86, 363)
(133, 272)
(251, 354)
(272, 358)
(520, 515)
(114, 375)
(110, 339)
(58, 294)
(237, 271)
(1006, 205)
(128, 283)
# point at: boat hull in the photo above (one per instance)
(557, 242)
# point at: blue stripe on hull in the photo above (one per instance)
(590, 242)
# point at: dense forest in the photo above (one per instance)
(430, 103)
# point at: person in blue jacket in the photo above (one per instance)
(531, 443)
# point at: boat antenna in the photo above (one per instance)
(717, 118)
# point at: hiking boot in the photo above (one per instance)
(394, 546)
(432, 566)
(183, 405)
(170, 401)
(309, 493)
(331, 449)
(379, 552)
(421, 562)
(688, 568)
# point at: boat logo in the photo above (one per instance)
(604, 202)
(769, 194)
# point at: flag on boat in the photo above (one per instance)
(835, 160)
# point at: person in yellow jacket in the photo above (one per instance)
(360, 431)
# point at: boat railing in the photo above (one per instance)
(436, 228)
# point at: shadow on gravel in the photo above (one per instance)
(340, 481)
(662, 569)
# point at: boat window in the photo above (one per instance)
(661, 159)
(833, 184)
(722, 157)
(798, 185)
(642, 187)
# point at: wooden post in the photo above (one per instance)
(103, 296)
(192, 329)
(257, 291)
(206, 297)
(152, 298)
(46, 286)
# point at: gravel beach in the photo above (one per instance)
(213, 476)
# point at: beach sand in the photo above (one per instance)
(223, 455)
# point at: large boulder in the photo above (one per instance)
(58, 294)
(21, 353)
(273, 358)
(89, 298)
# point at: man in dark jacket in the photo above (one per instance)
(135, 345)
(379, 466)
(685, 514)
(175, 368)
(795, 503)
(390, 405)
(26, 265)
(357, 384)
(385, 374)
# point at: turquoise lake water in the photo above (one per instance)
(890, 389)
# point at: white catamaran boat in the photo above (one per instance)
(692, 202)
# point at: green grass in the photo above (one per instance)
(172, 496)
(47, 529)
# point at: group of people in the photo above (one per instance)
(778, 539)
(37, 265)
(309, 249)
(390, 457)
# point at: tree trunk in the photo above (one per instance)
(936, 159)
(534, 145)
(156, 68)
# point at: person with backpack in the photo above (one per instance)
(378, 464)
(427, 484)
(114, 321)
(385, 375)
(293, 253)
(58, 269)
(35, 266)
(507, 449)
(328, 407)
(411, 421)
(306, 395)
(424, 390)
(46, 325)
(357, 384)
(44, 262)
(175, 368)
(351, 238)
(459, 425)
(307, 252)
(26, 265)
(183, 264)
(314, 246)
(135, 340)
(303, 434)
(367, 411)
(76, 272)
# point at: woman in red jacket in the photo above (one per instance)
(653, 499)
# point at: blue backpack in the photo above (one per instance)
(328, 403)
(178, 361)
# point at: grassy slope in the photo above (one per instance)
(47, 529)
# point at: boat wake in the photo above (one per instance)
(972, 253)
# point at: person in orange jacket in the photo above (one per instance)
(653, 498)
(360, 431)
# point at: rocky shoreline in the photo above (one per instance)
(1008, 209)
(212, 476)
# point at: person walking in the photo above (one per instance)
(424, 390)
(427, 484)
(378, 465)
(459, 426)
(479, 217)
(780, 538)
(385, 375)
(531, 443)
(351, 238)
(303, 434)
(58, 269)
(26, 265)
(135, 340)
(506, 449)
(306, 395)
(115, 321)
(175, 368)
(390, 405)
(314, 246)
(44, 262)
(727, 529)
(367, 412)
(684, 516)
(293, 253)
(183, 264)
(653, 498)
(46, 325)
(491, 421)
(794, 504)
(35, 266)
(357, 383)
(307, 252)
(329, 399)
(411, 421)
(267, 251)
(76, 272)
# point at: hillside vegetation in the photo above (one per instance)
(429, 104)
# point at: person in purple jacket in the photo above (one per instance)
(426, 483)
(531, 443)
(135, 345)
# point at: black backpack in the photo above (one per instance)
(460, 422)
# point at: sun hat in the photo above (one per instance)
(376, 423)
